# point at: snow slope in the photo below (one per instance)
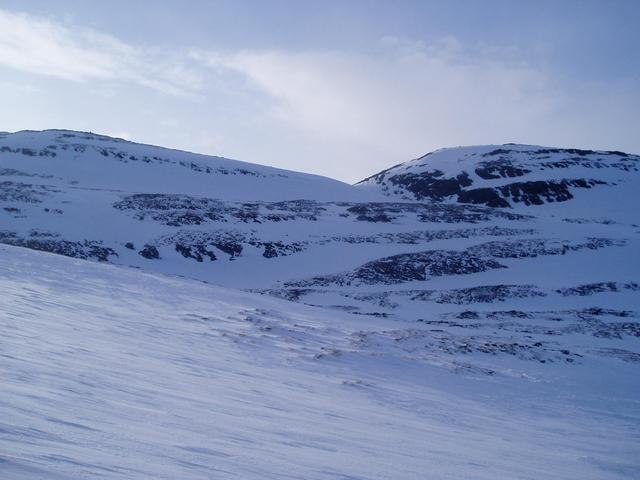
(124, 166)
(583, 182)
(109, 372)
(471, 314)
(479, 275)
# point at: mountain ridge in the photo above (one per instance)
(191, 168)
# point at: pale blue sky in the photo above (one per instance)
(337, 88)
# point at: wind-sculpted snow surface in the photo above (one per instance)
(515, 265)
(113, 373)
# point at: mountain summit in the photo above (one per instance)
(515, 176)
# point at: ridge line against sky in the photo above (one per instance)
(377, 92)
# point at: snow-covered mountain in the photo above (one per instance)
(90, 161)
(513, 264)
(517, 176)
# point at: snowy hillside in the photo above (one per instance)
(113, 373)
(477, 280)
(90, 161)
(517, 176)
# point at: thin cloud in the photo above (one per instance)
(403, 93)
(405, 98)
(43, 47)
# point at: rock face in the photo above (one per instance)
(478, 250)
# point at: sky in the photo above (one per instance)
(338, 88)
